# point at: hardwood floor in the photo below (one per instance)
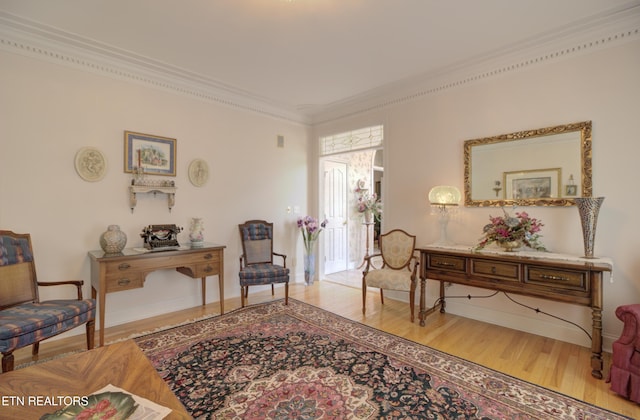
(553, 364)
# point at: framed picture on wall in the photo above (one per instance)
(154, 154)
(532, 184)
(571, 190)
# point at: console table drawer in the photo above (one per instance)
(546, 277)
(496, 270)
(448, 263)
(556, 278)
(128, 281)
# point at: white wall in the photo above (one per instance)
(49, 111)
(424, 147)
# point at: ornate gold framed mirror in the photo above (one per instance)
(543, 167)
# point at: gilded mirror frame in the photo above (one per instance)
(585, 165)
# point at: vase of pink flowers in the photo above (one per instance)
(512, 232)
(370, 206)
(310, 229)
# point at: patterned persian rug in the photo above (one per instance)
(272, 361)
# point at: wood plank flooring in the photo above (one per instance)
(553, 364)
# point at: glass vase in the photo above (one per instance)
(309, 263)
(196, 229)
(368, 217)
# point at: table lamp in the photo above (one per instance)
(441, 198)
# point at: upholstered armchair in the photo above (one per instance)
(24, 320)
(625, 367)
(257, 260)
(399, 267)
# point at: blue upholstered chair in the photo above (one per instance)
(24, 320)
(397, 249)
(256, 262)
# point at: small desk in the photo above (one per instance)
(129, 269)
(122, 364)
(546, 276)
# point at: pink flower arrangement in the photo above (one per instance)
(521, 228)
(369, 202)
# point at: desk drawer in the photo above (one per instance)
(496, 269)
(209, 269)
(200, 270)
(201, 257)
(114, 269)
(127, 281)
(557, 278)
(447, 263)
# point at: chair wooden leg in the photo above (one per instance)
(35, 348)
(91, 331)
(243, 295)
(381, 297)
(272, 290)
(7, 362)
(286, 293)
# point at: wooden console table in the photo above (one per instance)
(546, 276)
(129, 269)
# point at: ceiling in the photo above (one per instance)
(307, 55)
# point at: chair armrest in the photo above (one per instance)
(284, 258)
(77, 283)
(415, 266)
(368, 262)
(630, 316)
(241, 261)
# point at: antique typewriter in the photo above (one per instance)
(161, 237)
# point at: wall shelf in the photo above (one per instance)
(146, 189)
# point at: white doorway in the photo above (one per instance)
(350, 164)
(335, 211)
(346, 238)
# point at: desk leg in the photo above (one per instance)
(204, 292)
(221, 286)
(203, 282)
(101, 301)
(423, 305)
(221, 289)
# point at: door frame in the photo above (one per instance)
(341, 157)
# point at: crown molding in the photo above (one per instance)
(601, 32)
(28, 38)
(35, 40)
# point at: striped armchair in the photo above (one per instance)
(256, 262)
(397, 251)
(24, 320)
